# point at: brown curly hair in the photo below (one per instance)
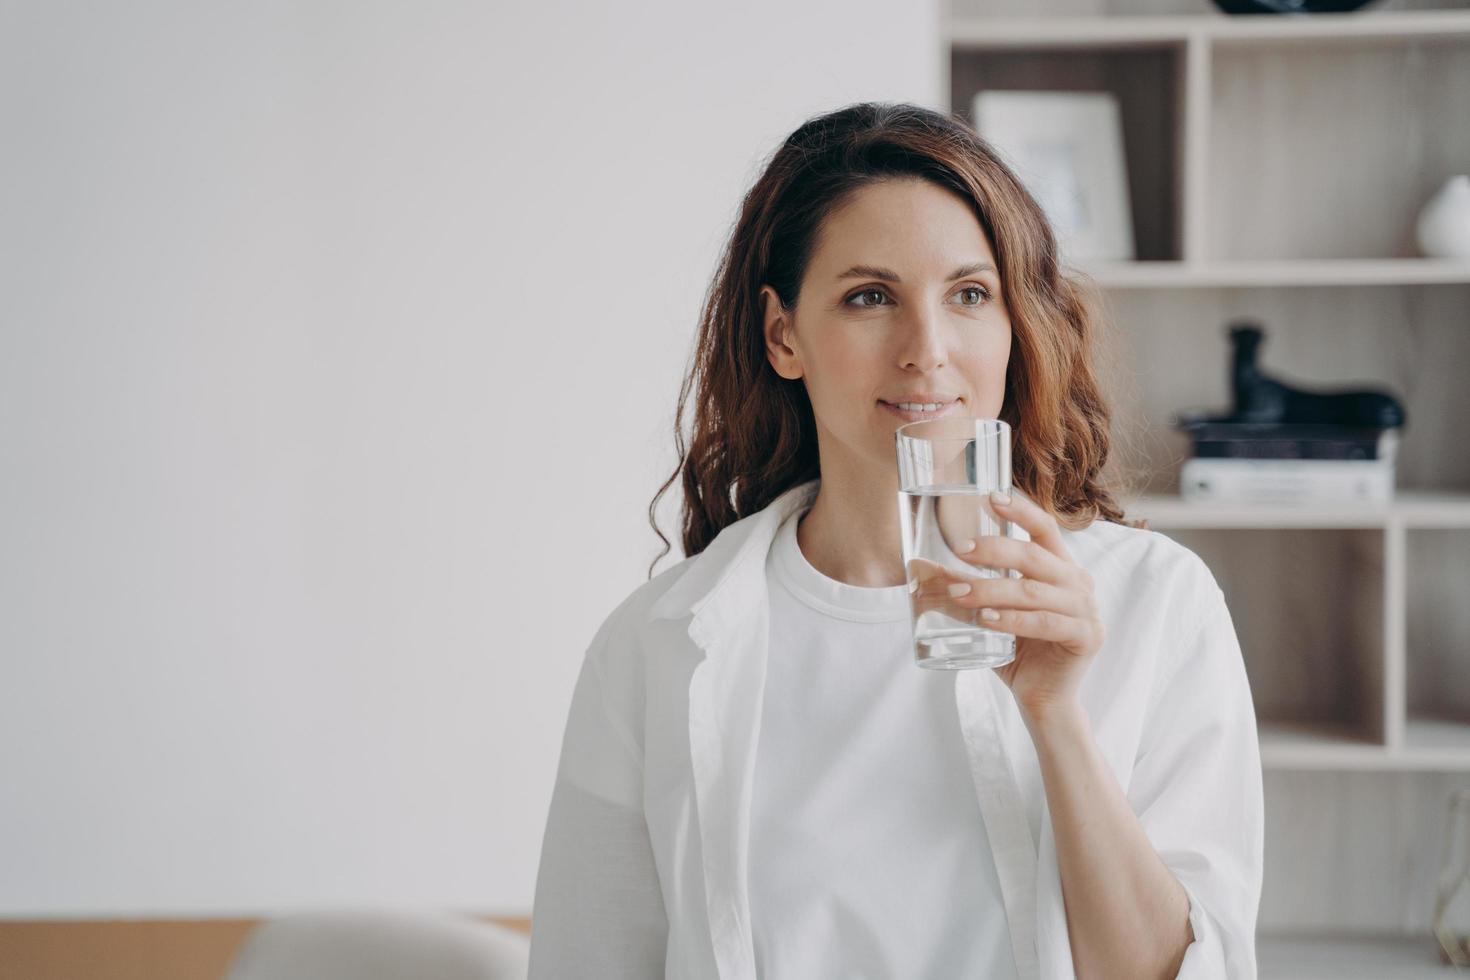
(754, 433)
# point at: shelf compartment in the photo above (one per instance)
(1290, 173)
(1437, 645)
(1308, 611)
(1147, 83)
(1355, 852)
(1411, 340)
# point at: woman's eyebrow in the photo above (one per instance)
(887, 275)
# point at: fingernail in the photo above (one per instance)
(989, 614)
(959, 588)
(997, 497)
(967, 546)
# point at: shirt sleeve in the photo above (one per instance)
(598, 910)
(1197, 790)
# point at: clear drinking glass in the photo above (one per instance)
(947, 468)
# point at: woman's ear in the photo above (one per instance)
(778, 323)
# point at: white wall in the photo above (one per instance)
(339, 344)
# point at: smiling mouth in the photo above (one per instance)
(919, 410)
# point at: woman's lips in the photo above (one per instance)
(912, 416)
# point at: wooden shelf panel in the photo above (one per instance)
(1429, 746)
(993, 33)
(1438, 738)
(989, 33)
(1348, 957)
(1410, 508)
(1277, 273)
(1300, 745)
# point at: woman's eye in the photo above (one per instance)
(980, 296)
(866, 292)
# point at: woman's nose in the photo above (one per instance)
(923, 346)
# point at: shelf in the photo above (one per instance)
(990, 33)
(1349, 957)
(1282, 272)
(1429, 746)
(1290, 745)
(1442, 739)
(1410, 509)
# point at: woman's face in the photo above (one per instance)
(901, 303)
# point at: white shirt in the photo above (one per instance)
(868, 854)
(645, 861)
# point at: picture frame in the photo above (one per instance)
(1067, 149)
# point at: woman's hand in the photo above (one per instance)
(1050, 609)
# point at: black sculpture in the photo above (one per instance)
(1260, 399)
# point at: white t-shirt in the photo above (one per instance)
(645, 866)
(868, 850)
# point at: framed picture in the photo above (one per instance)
(1067, 148)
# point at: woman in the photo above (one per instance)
(756, 780)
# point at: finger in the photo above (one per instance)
(1072, 633)
(1021, 593)
(1027, 557)
(1039, 523)
(929, 588)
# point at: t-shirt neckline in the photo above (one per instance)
(857, 603)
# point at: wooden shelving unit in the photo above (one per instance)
(1276, 165)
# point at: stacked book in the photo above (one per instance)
(1287, 463)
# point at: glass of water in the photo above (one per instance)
(947, 468)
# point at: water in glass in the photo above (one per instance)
(936, 519)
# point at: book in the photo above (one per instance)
(1287, 481)
(1231, 440)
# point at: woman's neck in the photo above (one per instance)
(851, 532)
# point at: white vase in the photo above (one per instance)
(1443, 228)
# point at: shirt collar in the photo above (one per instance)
(732, 549)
